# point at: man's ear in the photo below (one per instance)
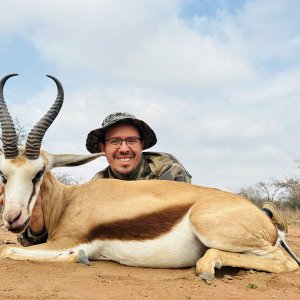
(142, 145)
(102, 147)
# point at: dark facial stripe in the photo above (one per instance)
(31, 196)
(35, 180)
(145, 227)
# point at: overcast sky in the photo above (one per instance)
(218, 81)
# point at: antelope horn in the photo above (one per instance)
(35, 137)
(9, 135)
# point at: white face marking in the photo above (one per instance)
(21, 190)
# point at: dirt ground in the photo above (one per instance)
(108, 280)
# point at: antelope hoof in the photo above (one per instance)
(82, 258)
(218, 265)
(207, 277)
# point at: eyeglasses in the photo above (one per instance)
(117, 142)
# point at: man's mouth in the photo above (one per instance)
(124, 159)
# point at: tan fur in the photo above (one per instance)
(20, 160)
(51, 189)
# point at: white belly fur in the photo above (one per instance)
(176, 249)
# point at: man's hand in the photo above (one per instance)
(37, 218)
(2, 200)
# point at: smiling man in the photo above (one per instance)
(123, 138)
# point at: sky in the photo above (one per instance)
(218, 81)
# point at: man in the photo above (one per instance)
(122, 138)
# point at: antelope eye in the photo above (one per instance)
(37, 177)
(3, 178)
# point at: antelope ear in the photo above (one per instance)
(70, 160)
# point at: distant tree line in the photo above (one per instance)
(285, 193)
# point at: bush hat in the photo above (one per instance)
(97, 136)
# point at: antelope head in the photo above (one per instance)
(22, 168)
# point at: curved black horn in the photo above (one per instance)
(9, 135)
(35, 137)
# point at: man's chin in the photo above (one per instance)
(123, 172)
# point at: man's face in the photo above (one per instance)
(122, 158)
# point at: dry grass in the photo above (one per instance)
(292, 217)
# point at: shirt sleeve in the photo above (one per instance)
(28, 238)
(176, 172)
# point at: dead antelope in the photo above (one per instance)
(159, 224)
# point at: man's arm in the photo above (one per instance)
(30, 238)
(2, 200)
(36, 232)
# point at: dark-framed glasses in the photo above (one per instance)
(117, 142)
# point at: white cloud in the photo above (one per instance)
(221, 90)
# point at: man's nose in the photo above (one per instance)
(124, 146)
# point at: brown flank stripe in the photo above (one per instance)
(144, 227)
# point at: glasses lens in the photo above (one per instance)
(132, 141)
(115, 142)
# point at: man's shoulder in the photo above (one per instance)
(160, 162)
(161, 158)
(166, 166)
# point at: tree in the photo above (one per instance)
(251, 193)
(262, 191)
(285, 193)
(270, 189)
(66, 178)
(291, 192)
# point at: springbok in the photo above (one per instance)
(159, 224)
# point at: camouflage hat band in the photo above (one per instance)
(98, 135)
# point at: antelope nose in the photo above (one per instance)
(12, 215)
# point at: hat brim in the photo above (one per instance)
(97, 136)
